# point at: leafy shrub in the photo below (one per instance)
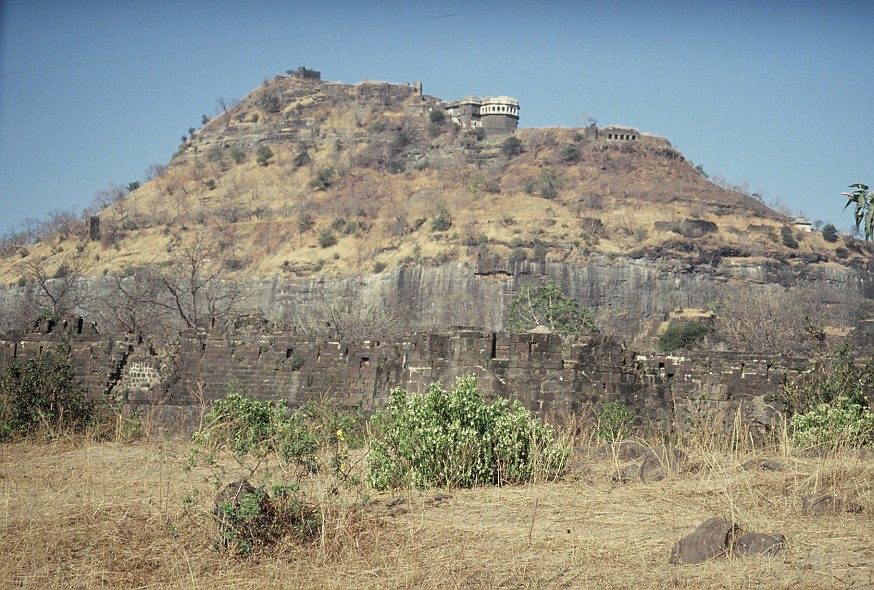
(437, 116)
(511, 147)
(830, 233)
(263, 155)
(614, 421)
(788, 239)
(548, 306)
(378, 267)
(828, 406)
(327, 238)
(455, 439)
(842, 423)
(238, 155)
(683, 336)
(441, 222)
(518, 255)
(570, 154)
(42, 393)
(269, 102)
(324, 178)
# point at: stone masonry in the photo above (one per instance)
(546, 372)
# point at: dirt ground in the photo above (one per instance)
(90, 515)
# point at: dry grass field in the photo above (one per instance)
(81, 514)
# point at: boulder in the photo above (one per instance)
(825, 504)
(711, 539)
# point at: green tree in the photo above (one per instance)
(788, 239)
(327, 238)
(829, 233)
(42, 392)
(682, 337)
(263, 155)
(570, 154)
(269, 102)
(511, 147)
(863, 200)
(548, 306)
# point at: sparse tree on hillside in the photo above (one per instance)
(511, 147)
(548, 306)
(192, 285)
(830, 233)
(760, 320)
(263, 155)
(56, 290)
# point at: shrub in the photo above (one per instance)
(548, 306)
(42, 393)
(788, 239)
(238, 155)
(455, 439)
(269, 102)
(518, 255)
(378, 267)
(327, 238)
(511, 147)
(614, 421)
(263, 155)
(683, 336)
(842, 423)
(437, 116)
(829, 233)
(324, 178)
(570, 154)
(441, 222)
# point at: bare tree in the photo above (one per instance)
(59, 291)
(192, 285)
(762, 320)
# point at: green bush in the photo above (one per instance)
(683, 336)
(263, 155)
(548, 306)
(570, 154)
(614, 421)
(788, 239)
(441, 222)
(42, 394)
(842, 423)
(830, 233)
(828, 406)
(511, 147)
(455, 439)
(327, 238)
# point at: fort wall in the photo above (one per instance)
(548, 373)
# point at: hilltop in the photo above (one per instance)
(306, 177)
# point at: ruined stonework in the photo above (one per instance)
(546, 372)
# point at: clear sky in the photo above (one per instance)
(779, 95)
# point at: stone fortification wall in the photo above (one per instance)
(546, 372)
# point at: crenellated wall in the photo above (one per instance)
(547, 372)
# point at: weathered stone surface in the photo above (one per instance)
(757, 544)
(711, 539)
(825, 504)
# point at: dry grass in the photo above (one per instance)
(89, 515)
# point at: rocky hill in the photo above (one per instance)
(306, 182)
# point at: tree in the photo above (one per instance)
(548, 306)
(57, 292)
(192, 285)
(570, 154)
(829, 233)
(263, 155)
(863, 201)
(511, 147)
(269, 102)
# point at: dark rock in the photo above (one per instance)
(758, 544)
(255, 529)
(711, 539)
(823, 505)
(627, 474)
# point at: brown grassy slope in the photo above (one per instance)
(109, 515)
(389, 171)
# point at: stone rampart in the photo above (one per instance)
(546, 372)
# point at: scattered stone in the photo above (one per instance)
(758, 544)
(711, 539)
(230, 525)
(823, 505)
(653, 469)
(763, 464)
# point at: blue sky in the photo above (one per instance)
(778, 95)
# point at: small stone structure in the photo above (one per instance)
(301, 73)
(615, 133)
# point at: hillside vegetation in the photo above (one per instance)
(307, 177)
